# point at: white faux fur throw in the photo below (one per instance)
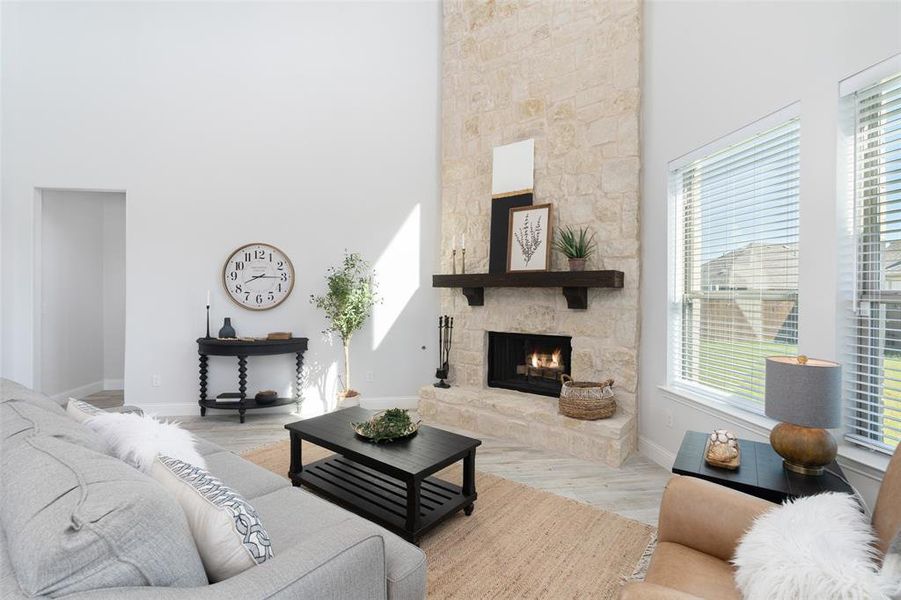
(138, 439)
(815, 547)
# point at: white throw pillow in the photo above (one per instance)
(81, 411)
(815, 547)
(139, 439)
(227, 530)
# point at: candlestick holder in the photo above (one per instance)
(463, 269)
(207, 321)
(454, 261)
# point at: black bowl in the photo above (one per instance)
(266, 398)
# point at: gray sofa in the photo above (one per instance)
(74, 524)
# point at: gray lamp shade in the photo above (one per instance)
(808, 395)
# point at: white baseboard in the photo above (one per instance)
(408, 402)
(113, 384)
(656, 452)
(78, 392)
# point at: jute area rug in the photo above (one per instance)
(519, 543)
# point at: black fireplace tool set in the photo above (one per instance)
(445, 336)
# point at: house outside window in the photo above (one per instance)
(872, 376)
(734, 262)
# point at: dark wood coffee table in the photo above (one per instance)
(388, 484)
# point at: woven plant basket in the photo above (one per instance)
(587, 400)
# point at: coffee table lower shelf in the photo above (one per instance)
(384, 499)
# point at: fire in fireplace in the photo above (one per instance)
(528, 362)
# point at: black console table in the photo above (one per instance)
(760, 474)
(239, 401)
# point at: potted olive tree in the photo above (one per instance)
(577, 246)
(347, 303)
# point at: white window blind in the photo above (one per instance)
(735, 268)
(873, 372)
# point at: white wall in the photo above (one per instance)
(114, 292)
(71, 270)
(2, 245)
(311, 126)
(711, 68)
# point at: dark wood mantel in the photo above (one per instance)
(574, 284)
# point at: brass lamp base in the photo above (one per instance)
(805, 450)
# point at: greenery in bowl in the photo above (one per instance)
(575, 244)
(387, 426)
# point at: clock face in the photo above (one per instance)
(258, 276)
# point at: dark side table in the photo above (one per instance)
(760, 473)
(241, 349)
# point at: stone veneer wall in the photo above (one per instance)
(567, 74)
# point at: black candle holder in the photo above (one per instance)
(207, 321)
(445, 337)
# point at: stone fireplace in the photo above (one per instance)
(529, 363)
(566, 74)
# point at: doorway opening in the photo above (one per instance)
(81, 295)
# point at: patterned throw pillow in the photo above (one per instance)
(81, 411)
(227, 530)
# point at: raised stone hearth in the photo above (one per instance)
(531, 420)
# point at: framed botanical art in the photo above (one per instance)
(529, 238)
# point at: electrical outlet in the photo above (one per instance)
(370, 376)
(155, 381)
(669, 419)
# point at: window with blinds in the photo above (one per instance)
(873, 372)
(735, 268)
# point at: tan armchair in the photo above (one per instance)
(700, 526)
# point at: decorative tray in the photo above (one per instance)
(390, 425)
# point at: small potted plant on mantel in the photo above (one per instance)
(577, 246)
(347, 303)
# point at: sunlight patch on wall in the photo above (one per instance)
(397, 272)
(320, 387)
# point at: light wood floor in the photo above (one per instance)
(634, 490)
(106, 399)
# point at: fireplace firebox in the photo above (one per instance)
(528, 362)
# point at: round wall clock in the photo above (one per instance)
(258, 276)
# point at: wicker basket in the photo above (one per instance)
(587, 400)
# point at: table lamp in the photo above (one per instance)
(805, 395)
